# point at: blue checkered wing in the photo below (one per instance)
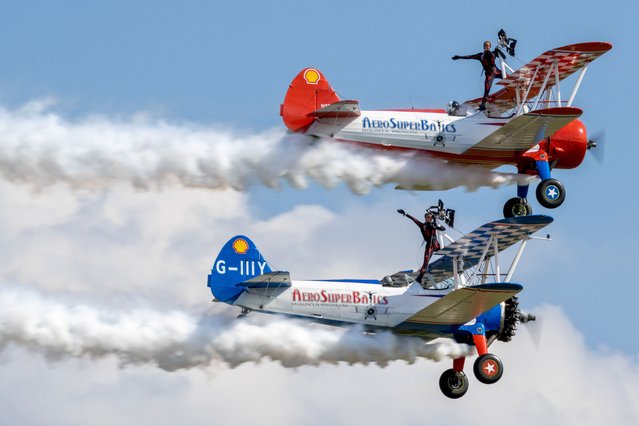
(471, 246)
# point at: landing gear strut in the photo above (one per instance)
(550, 192)
(488, 368)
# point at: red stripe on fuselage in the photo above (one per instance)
(481, 157)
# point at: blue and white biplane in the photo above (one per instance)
(465, 296)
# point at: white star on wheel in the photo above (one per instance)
(552, 193)
(490, 368)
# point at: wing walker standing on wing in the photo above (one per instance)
(487, 59)
(429, 230)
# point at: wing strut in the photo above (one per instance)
(484, 263)
(543, 87)
(523, 101)
(577, 84)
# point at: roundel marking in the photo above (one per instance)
(552, 192)
(490, 368)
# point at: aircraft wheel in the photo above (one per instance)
(453, 384)
(488, 368)
(517, 207)
(551, 193)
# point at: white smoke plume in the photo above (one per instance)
(39, 147)
(179, 340)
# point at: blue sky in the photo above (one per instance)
(228, 64)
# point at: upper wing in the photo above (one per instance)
(523, 132)
(466, 303)
(471, 246)
(568, 58)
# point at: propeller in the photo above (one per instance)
(514, 316)
(596, 145)
(534, 325)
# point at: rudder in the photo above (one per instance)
(238, 261)
(308, 92)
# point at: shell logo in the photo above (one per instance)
(240, 246)
(311, 76)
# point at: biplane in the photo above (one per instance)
(527, 123)
(465, 296)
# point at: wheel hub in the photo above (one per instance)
(552, 192)
(490, 368)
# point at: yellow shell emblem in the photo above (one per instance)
(311, 76)
(240, 246)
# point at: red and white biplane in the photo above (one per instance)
(525, 124)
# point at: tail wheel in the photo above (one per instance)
(551, 193)
(488, 368)
(453, 384)
(517, 207)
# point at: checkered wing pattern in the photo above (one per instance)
(569, 59)
(471, 246)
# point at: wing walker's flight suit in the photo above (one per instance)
(487, 59)
(428, 229)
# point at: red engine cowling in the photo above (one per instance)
(567, 147)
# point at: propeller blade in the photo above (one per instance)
(534, 325)
(596, 145)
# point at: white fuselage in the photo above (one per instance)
(343, 301)
(431, 131)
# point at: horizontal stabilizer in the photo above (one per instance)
(465, 304)
(333, 118)
(275, 279)
(341, 109)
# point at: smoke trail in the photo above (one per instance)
(39, 147)
(178, 340)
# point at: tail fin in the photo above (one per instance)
(238, 261)
(308, 92)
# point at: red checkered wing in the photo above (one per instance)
(569, 59)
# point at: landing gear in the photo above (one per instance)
(551, 193)
(488, 369)
(454, 384)
(517, 206)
